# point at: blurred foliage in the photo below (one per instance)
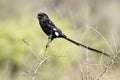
(14, 50)
(18, 21)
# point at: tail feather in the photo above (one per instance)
(87, 47)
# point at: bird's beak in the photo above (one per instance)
(38, 17)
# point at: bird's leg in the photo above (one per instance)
(47, 45)
(49, 41)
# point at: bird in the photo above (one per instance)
(53, 32)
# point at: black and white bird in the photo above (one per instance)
(53, 32)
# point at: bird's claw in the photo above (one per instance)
(47, 46)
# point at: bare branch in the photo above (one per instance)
(107, 68)
(36, 70)
(95, 30)
(81, 71)
(33, 51)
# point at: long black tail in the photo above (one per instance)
(92, 49)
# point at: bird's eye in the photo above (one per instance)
(42, 15)
(39, 15)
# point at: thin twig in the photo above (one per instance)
(117, 52)
(87, 61)
(33, 51)
(114, 44)
(36, 70)
(112, 59)
(81, 71)
(95, 30)
(107, 68)
(88, 65)
(100, 63)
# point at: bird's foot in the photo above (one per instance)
(47, 46)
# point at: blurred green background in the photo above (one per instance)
(74, 17)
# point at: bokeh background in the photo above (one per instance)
(75, 18)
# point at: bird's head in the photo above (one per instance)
(42, 16)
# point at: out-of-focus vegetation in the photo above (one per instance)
(74, 17)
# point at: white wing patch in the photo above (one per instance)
(56, 33)
(54, 29)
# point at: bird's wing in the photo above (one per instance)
(51, 25)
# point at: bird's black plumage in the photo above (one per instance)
(53, 32)
(49, 27)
